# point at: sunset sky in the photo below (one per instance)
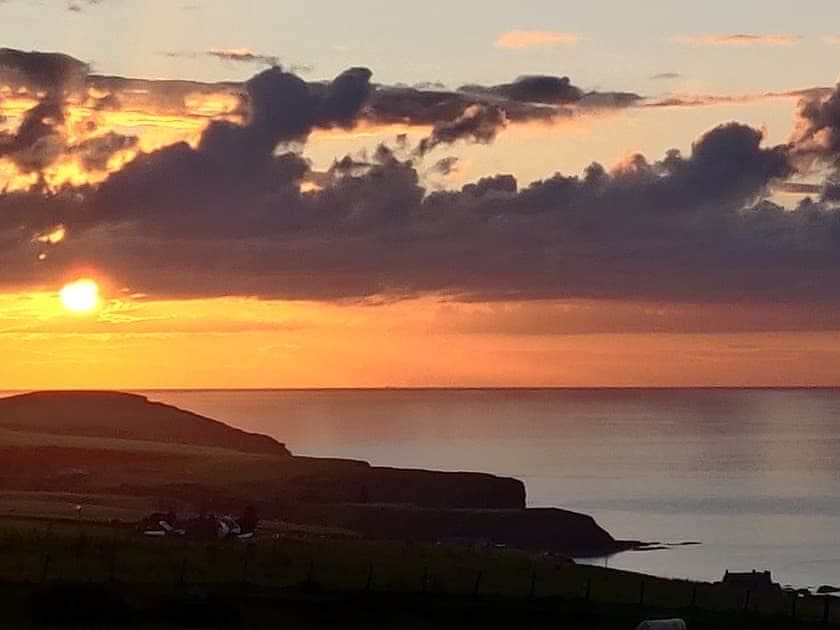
(323, 194)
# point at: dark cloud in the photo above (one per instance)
(284, 108)
(477, 113)
(532, 89)
(196, 222)
(52, 73)
(479, 124)
(551, 90)
(412, 106)
(243, 56)
(38, 141)
(817, 135)
(98, 150)
(446, 166)
(229, 217)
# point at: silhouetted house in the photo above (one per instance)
(755, 581)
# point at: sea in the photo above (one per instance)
(752, 475)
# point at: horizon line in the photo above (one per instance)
(385, 388)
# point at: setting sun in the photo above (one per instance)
(80, 296)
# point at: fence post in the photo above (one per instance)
(425, 581)
(588, 589)
(827, 610)
(694, 597)
(246, 561)
(112, 569)
(369, 577)
(477, 584)
(533, 590)
(45, 569)
(310, 572)
(642, 594)
(747, 600)
(793, 603)
(182, 576)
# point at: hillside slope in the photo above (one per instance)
(126, 416)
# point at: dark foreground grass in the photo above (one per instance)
(86, 575)
(80, 604)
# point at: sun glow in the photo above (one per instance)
(80, 296)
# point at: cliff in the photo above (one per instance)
(544, 529)
(425, 488)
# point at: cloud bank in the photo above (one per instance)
(237, 211)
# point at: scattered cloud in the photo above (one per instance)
(77, 6)
(243, 55)
(535, 39)
(816, 136)
(666, 76)
(239, 55)
(737, 39)
(682, 99)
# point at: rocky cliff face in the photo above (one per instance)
(554, 530)
(424, 488)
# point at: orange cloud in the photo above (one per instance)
(686, 99)
(56, 235)
(535, 39)
(737, 39)
(155, 125)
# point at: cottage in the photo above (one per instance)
(753, 581)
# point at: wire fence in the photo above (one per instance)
(403, 569)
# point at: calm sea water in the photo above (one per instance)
(754, 475)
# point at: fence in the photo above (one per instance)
(358, 566)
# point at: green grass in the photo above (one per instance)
(168, 461)
(35, 554)
(46, 545)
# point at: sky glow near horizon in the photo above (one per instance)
(228, 260)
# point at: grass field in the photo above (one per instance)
(317, 576)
